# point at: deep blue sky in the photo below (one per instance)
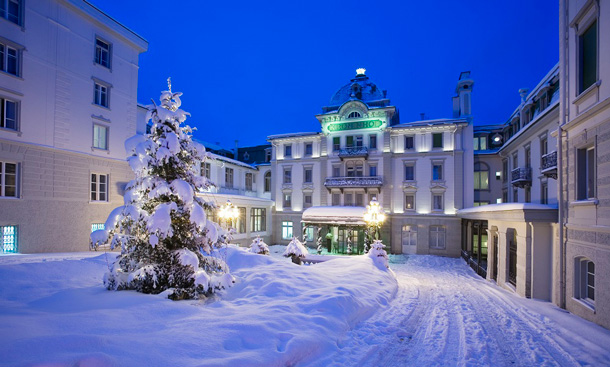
(251, 69)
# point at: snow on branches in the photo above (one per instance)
(258, 246)
(165, 238)
(378, 254)
(296, 250)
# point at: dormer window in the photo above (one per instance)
(354, 115)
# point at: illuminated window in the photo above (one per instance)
(480, 142)
(287, 230)
(9, 239)
(287, 200)
(100, 137)
(99, 187)
(481, 176)
(97, 226)
(309, 234)
(258, 218)
(240, 226)
(409, 202)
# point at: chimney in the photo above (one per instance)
(423, 115)
(235, 150)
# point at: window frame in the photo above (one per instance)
(7, 15)
(409, 166)
(287, 150)
(95, 53)
(97, 191)
(580, 40)
(412, 196)
(436, 231)
(409, 142)
(97, 100)
(5, 44)
(258, 219)
(479, 169)
(267, 181)
(441, 201)
(586, 173)
(106, 138)
(308, 149)
(249, 180)
(3, 109)
(229, 177)
(373, 141)
(287, 230)
(287, 200)
(3, 184)
(440, 174)
(305, 203)
(287, 176)
(434, 142)
(9, 236)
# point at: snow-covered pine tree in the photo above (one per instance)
(378, 254)
(258, 246)
(296, 251)
(166, 240)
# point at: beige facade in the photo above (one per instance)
(585, 148)
(71, 104)
(415, 170)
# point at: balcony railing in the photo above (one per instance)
(549, 165)
(352, 152)
(521, 176)
(371, 181)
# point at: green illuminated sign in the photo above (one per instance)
(366, 124)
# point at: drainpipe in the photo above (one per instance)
(563, 112)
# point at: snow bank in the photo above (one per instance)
(57, 313)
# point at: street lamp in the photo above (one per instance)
(374, 217)
(228, 212)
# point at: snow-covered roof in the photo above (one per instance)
(347, 215)
(232, 161)
(359, 88)
(291, 135)
(435, 122)
(512, 212)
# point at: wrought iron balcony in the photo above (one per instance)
(371, 181)
(352, 152)
(549, 165)
(521, 176)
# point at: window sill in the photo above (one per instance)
(18, 77)
(9, 198)
(98, 202)
(587, 202)
(586, 92)
(102, 66)
(94, 149)
(100, 106)
(10, 131)
(585, 303)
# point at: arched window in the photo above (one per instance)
(268, 181)
(354, 115)
(481, 176)
(584, 280)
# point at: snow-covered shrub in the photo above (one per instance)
(258, 246)
(378, 254)
(165, 238)
(295, 250)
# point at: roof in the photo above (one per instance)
(359, 88)
(436, 122)
(346, 215)
(291, 135)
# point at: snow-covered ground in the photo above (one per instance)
(54, 311)
(344, 312)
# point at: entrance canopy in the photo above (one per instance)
(335, 215)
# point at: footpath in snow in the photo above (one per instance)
(445, 315)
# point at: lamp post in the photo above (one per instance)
(228, 212)
(374, 218)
